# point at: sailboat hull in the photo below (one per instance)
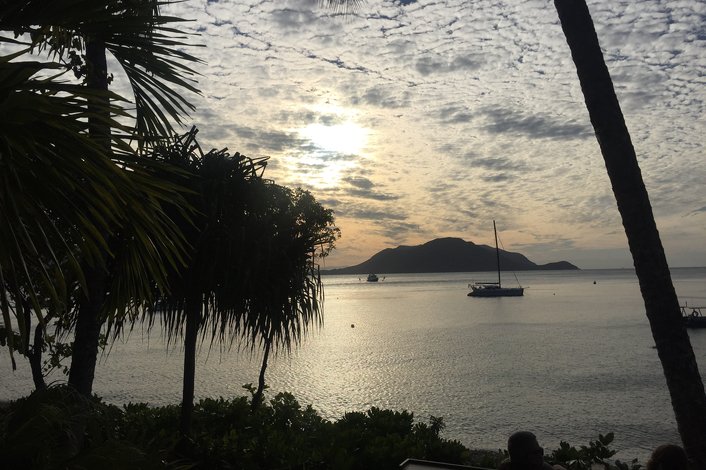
(494, 291)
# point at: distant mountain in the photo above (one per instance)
(445, 255)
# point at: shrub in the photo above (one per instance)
(59, 428)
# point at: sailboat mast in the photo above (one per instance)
(497, 251)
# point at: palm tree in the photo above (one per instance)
(210, 287)
(54, 182)
(71, 164)
(250, 272)
(661, 303)
(287, 293)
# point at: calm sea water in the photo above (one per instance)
(569, 360)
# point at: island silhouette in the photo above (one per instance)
(444, 255)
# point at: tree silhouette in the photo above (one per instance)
(289, 296)
(71, 165)
(250, 273)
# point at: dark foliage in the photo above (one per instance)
(59, 428)
(42, 430)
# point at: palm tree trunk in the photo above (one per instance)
(88, 322)
(257, 397)
(35, 358)
(661, 303)
(33, 352)
(193, 318)
(87, 332)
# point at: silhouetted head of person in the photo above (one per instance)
(668, 457)
(525, 452)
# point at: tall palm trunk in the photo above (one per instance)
(88, 322)
(193, 319)
(661, 304)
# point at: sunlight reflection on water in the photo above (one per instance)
(569, 360)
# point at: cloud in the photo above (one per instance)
(454, 114)
(268, 139)
(536, 125)
(293, 19)
(372, 214)
(359, 182)
(496, 178)
(382, 96)
(474, 112)
(369, 194)
(361, 187)
(398, 231)
(433, 64)
(499, 164)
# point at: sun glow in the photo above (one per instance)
(332, 147)
(346, 138)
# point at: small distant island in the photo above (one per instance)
(445, 255)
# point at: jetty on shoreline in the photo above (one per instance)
(693, 316)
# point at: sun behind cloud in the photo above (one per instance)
(333, 146)
(347, 138)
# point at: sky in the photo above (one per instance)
(415, 120)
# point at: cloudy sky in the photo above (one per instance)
(415, 120)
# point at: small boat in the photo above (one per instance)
(494, 289)
(692, 316)
(372, 278)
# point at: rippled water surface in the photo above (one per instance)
(568, 360)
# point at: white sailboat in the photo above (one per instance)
(494, 289)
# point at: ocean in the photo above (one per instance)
(571, 359)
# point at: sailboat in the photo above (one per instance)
(494, 289)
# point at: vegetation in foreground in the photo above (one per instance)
(60, 428)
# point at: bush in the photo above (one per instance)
(584, 457)
(281, 434)
(59, 428)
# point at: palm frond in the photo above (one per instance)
(61, 194)
(146, 44)
(155, 66)
(44, 139)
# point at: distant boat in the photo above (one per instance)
(372, 278)
(494, 289)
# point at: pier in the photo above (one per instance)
(693, 316)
